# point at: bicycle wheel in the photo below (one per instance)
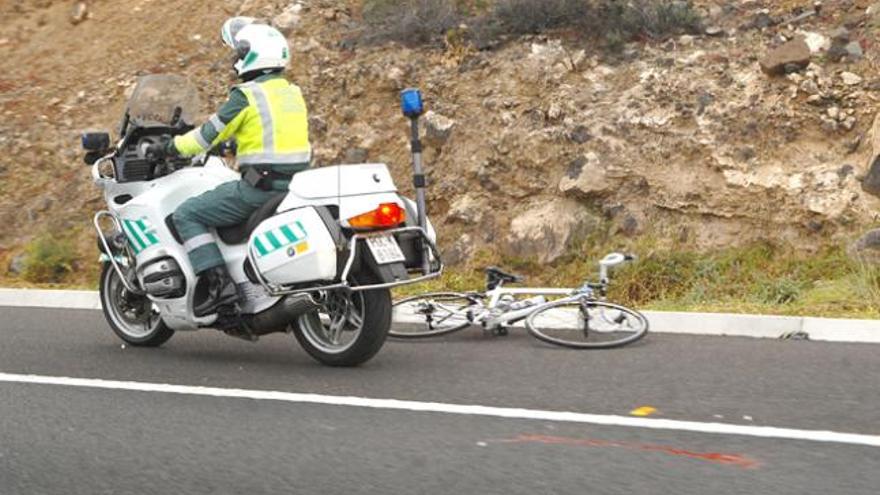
(431, 315)
(581, 323)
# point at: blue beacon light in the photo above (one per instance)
(411, 103)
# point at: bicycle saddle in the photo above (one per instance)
(494, 275)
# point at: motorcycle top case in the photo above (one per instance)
(293, 247)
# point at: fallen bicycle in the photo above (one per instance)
(581, 318)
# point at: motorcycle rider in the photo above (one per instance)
(267, 117)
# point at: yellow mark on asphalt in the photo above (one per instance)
(643, 411)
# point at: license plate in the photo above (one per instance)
(385, 249)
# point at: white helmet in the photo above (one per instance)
(258, 46)
(231, 28)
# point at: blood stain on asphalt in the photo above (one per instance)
(736, 460)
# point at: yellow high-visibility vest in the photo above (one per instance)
(268, 119)
(275, 125)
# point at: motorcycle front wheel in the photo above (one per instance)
(132, 317)
(349, 328)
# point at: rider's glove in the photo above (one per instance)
(227, 148)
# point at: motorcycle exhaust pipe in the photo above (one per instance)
(282, 314)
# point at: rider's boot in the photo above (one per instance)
(222, 291)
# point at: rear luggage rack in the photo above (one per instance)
(282, 290)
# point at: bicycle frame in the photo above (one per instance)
(491, 321)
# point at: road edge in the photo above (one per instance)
(713, 324)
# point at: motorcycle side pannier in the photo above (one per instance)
(294, 247)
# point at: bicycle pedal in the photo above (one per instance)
(500, 332)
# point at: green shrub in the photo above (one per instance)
(533, 16)
(48, 259)
(780, 291)
(609, 22)
(662, 275)
(412, 22)
(645, 18)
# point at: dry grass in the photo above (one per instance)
(759, 278)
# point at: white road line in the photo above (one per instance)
(472, 410)
(60, 299)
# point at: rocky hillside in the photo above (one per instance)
(756, 128)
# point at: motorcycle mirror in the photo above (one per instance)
(92, 156)
(411, 103)
(96, 141)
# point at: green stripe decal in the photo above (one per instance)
(131, 230)
(250, 58)
(280, 237)
(273, 240)
(289, 233)
(259, 245)
(150, 235)
(302, 230)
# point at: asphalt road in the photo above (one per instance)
(58, 439)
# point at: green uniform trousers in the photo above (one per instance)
(226, 205)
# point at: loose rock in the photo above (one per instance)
(395, 78)
(438, 128)
(817, 42)
(460, 251)
(79, 13)
(871, 182)
(867, 248)
(792, 55)
(840, 34)
(466, 210)
(851, 79)
(546, 231)
(810, 87)
(288, 19)
(873, 15)
(854, 50)
(585, 178)
(580, 134)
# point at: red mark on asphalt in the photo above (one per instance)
(736, 460)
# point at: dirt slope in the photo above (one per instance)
(684, 139)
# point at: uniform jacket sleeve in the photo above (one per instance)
(219, 127)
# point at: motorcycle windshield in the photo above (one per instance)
(157, 97)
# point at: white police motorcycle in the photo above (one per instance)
(317, 261)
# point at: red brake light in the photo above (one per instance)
(385, 216)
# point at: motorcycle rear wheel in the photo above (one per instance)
(133, 318)
(349, 329)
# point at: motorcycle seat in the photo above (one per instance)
(236, 234)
